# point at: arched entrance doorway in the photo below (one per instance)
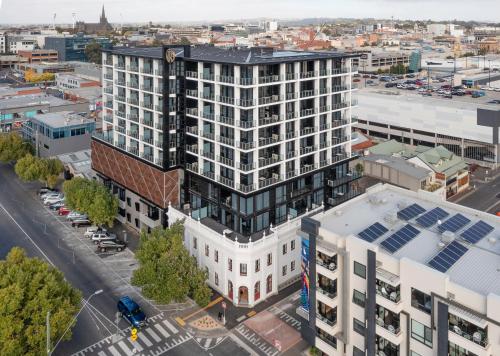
(243, 295)
(230, 290)
(256, 295)
(269, 284)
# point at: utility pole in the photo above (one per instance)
(489, 73)
(47, 322)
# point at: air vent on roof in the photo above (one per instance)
(441, 244)
(402, 205)
(391, 218)
(447, 237)
(492, 240)
(451, 295)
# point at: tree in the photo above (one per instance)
(93, 52)
(13, 147)
(360, 168)
(156, 43)
(31, 168)
(29, 288)
(167, 271)
(92, 198)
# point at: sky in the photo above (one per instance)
(42, 11)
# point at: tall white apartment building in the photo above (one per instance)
(238, 142)
(400, 273)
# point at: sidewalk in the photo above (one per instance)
(124, 232)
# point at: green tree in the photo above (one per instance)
(92, 198)
(167, 271)
(13, 147)
(156, 43)
(93, 52)
(31, 168)
(29, 288)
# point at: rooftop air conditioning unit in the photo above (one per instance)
(275, 117)
(391, 218)
(447, 237)
(276, 137)
(441, 244)
(275, 156)
(276, 97)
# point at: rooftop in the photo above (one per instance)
(399, 164)
(22, 101)
(62, 118)
(236, 55)
(477, 267)
(78, 162)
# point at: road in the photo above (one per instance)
(486, 197)
(26, 223)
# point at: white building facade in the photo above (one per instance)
(400, 281)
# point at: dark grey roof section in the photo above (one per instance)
(236, 55)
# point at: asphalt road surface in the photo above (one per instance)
(486, 197)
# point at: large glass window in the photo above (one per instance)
(246, 206)
(262, 221)
(421, 301)
(421, 333)
(280, 194)
(455, 350)
(358, 326)
(359, 269)
(262, 201)
(358, 298)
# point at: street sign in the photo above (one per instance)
(224, 306)
(133, 337)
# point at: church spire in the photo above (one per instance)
(103, 15)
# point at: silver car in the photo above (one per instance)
(103, 236)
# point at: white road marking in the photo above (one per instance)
(101, 353)
(172, 328)
(114, 351)
(162, 331)
(207, 343)
(125, 348)
(243, 317)
(153, 334)
(144, 339)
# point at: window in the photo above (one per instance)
(292, 245)
(358, 326)
(269, 259)
(359, 270)
(269, 283)
(421, 301)
(284, 249)
(413, 353)
(283, 272)
(421, 333)
(195, 243)
(129, 202)
(128, 217)
(137, 207)
(455, 350)
(229, 264)
(136, 221)
(207, 250)
(243, 269)
(292, 266)
(357, 352)
(216, 279)
(358, 298)
(216, 256)
(257, 265)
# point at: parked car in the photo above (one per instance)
(75, 214)
(46, 190)
(369, 82)
(63, 211)
(50, 195)
(56, 206)
(103, 236)
(131, 312)
(104, 246)
(356, 80)
(53, 199)
(81, 222)
(91, 230)
(390, 85)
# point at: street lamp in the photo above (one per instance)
(489, 72)
(85, 302)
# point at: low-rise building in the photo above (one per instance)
(372, 62)
(71, 81)
(39, 55)
(72, 48)
(414, 276)
(58, 133)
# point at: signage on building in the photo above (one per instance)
(304, 295)
(170, 56)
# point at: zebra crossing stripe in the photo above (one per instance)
(114, 351)
(144, 339)
(101, 353)
(172, 328)
(153, 335)
(207, 343)
(162, 331)
(125, 348)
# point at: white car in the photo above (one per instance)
(50, 195)
(93, 230)
(103, 236)
(53, 199)
(75, 215)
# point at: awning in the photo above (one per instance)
(468, 316)
(388, 277)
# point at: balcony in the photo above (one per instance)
(192, 130)
(208, 174)
(192, 167)
(120, 98)
(121, 114)
(308, 168)
(192, 111)
(291, 154)
(147, 122)
(134, 85)
(270, 120)
(308, 112)
(192, 149)
(108, 118)
(325, 90)
(148, 140)
(324, 163)
(245, 102)
(208, 115)
(159, 125)
(226, 181)
(324, 72)
(291, 96)
(120, 129)
(270, 99)
(290, 135)
(133, 101)
(120, 66)
(192, 92)
(246, 188)
(246, 166)
(327, 287)
(148, 88)
(245, 145)
(108, 62)
(341, 122)
(159, 90)
(290, 174)
(229, 100)
(147, 105)
(341, 105)
(339, 88)
(348, 177)
(229, 141)
(133, 117)
(341, 198)
(159, 72)
(267, 161)
(159, 143)
(246, 81)
(291, 115)
(207, 96)
(134, 134)
(245, 124)
(225, 79)
(270, 79)
(120, 82)
(226, 120)
(308, 149)
(226, 161)
(265, 141)
(467, 330)
(159, 108)
(324, 145)
(387, 291)
(147, 70)
(133, 150)
(208, 76)
(310, 74)
(339, 140)
(108, 76)
(388, 320)
(208, 154)
(147, 157)
(324, 108)
(133, 68)
(265, 182)
(308, 93)
(190, 74)
(108, 90)
(207, 135)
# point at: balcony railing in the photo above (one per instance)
(326, 320)
(149, 139)
(291, 115)
(308, 112)
(324, 163)
(133, 101)
(207, 76)
(270, 99)
(308, 130)
(270, 140)
(120, 82)
(192, 92)
(108, 90)
(270, 79)
(226, 140)
(225, 79)
(328, 264)
(209, 174)
(120, 66)
(190, 74)
(207, 96)
(270, 119)
(329, 291)
(207, 135)
(337, 123)
(108, 76)
(134, 85)
(225, 99)
(192, 167)
(225, 120)
(291, 174)
(290, 135)
(246, 166)
(134, 134)
(133, 117)
(291, 96)
(226, 161)
(159, 143)
(291, 154)
(324, 145)
(339, 88)
(308, 93)
(291, 76)
(246, 188)
(325, 90)
(246, 81)
(147, 70)
(133, 68)
(120, 129)
(192, 111)
(267, 161)
(208, 115)
(147, 122)
(192, 149)
(324, 108)
(192, 130)
(310, 74)
(339, 140)
(349, 177)
(245, 145)
(479, 337)
(245, 124)
(133, 150)
(265, 182)
(308, 168)
(208, 154)
(245, 102)
(342, 198)
(148, 88)
(225, 181)
(147, 105)
(393, 329)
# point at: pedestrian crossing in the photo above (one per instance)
(254, 339)
(209, 343)
(287, 318)
(155, 339)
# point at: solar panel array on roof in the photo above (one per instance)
(447, 257)
(373, 232)
(410, 212)
(453, 224)
(400, 238)
(431, 217)
(477, 232)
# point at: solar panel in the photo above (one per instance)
(453, 224)
(400, 238)
(431, 217)
(477, 232)
(447, 257)
(410, 212)
(373, 232)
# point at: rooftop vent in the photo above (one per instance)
(447, 237)
(391, 218)
(492, 240)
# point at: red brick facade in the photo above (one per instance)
(152, 184)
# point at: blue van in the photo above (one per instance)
(131, 312)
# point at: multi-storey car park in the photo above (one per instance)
(237, 142)
(416, 276)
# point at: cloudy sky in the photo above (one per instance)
(41, 11)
